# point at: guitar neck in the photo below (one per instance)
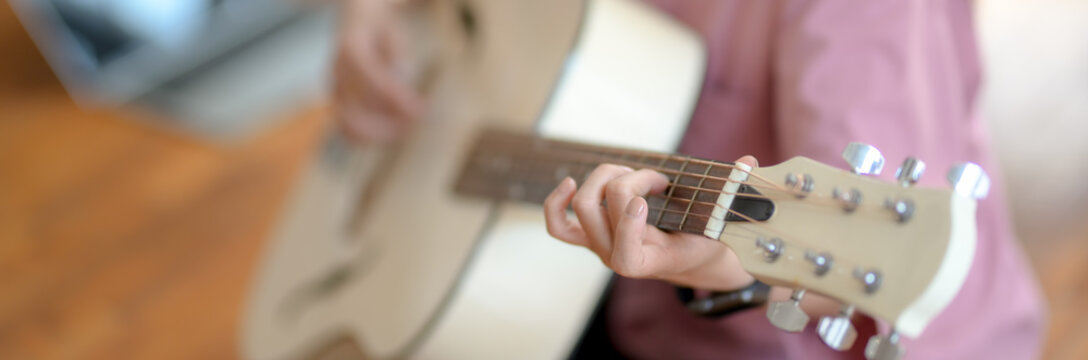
(515, 167)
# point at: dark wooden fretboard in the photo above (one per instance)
(511, 166)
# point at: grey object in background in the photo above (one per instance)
(239, 94)
(218, 68)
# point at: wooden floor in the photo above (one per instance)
(123, 239)
(120, 238)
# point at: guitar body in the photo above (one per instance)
(375, 246)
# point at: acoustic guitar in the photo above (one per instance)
(435, 247)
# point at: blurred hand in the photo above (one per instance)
(373, 100)
(620, 236)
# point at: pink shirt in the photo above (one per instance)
(790, 78)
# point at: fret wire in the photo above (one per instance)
(664, 159)
(537, 155)
(531, 182)
(542, 186)
(681, 212)
(542, 191)
(666, 171)
(527, 178)
(585, 168)
(771, 185)
(587, 148)
(673, 188)
(694, 196)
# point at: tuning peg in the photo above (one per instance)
(849, 199)
(903, 208)
(911, 170)
(863, 159)
(821, 262)
(772, 248)
(870, 279)
(968, 179)
(787, 315)
(837, 331)
(884, 348)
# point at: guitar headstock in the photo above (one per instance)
(894, 251)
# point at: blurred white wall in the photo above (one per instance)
(1035, 95)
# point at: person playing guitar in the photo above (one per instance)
(784, 78)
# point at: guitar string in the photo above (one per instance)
(663, 210)
(769, 231)
(844, 266)
(793, 240)
(540, 143)
(604, 157)
(716, 191)
(589, 163)
(704, 203)
(773, 186)
(684, 199)
(675, 181)
(660, 196)
(543, 144)
(716, 205)
(549, 186)
(730, 233)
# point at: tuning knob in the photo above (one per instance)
(837, 331)
(911, 170)
(884, 348)
(968, 179)
(821, 262)
(787, 315)
(772, 248)
(870, 279)
(863, 159)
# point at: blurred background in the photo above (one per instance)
(146, 149)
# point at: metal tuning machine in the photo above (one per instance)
(884, 347)
(864, 159)
(969, 180)
(910, 172)
(838, 331)
(787, 315)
